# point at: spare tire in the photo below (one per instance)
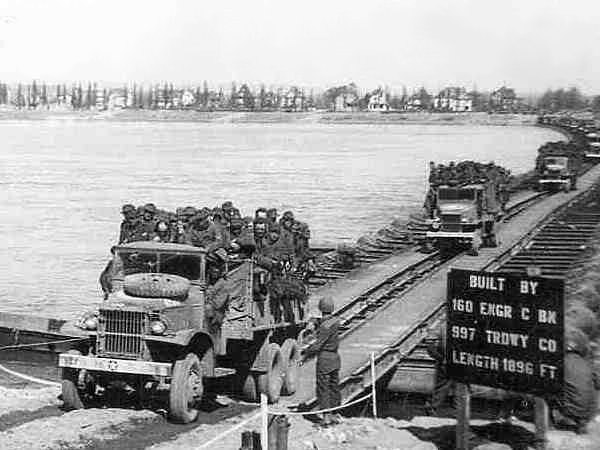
(156, 285)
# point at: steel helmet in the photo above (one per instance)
(127, 208)
(576, 341)
(326, 305)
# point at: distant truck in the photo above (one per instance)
(557, 166)
(466, 216)
(174, 319)
(593, 145)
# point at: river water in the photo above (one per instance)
(63, 183)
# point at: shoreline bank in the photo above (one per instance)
(320, 117)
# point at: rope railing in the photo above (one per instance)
(29, 378)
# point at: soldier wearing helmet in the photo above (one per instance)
(147, 223)
(161, 232)
(576, 404)
(286, 237)
(325, 347)
(272, 215)
(129, 225)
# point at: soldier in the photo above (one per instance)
(148, 223)
(260, 213)
(325, 347)
(286, 237)
(161, 232)
(129, 225)
(227, 209)
(576, 405)
(272, 215)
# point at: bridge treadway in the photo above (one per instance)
(400, 317)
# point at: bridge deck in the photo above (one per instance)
(400, 317)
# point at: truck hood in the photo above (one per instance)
(554, 167)
(456, 208)
(120, 300)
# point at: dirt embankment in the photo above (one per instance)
(324, 117)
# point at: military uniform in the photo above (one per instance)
(328, 359)
(129, 225)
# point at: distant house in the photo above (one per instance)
(292, 100)
(346, 102)
(504, 99)
(454, 99)
(187, 98)
(378, 101)
(117, 98)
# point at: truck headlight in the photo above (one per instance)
(435, 225)
(90, 322)
(464, 220)
(158, 327)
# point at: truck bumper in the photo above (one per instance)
(553, 181)
(114, 365)
(592, 155)
(450, 235)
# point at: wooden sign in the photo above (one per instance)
(505, 331)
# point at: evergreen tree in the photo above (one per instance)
(44, 96)
(205, 94)
(134, 97)
(260, 101)
(74, 97)
(140, 97)
(58, 96)
(28, 97)
(33, 98)
(171, 96)
(233, 96)
(20, 101)
(166, 96)
(94, 98)
(88, 96)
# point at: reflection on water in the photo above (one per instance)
(63, 184)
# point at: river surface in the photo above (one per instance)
(63, 183)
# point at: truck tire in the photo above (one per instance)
(156, 285)
(574, 184)
(567, 186)
(290, 355)
(187, 388)
(71, 396)
(271, 381)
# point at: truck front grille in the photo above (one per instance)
(120, 333)
(450, 222)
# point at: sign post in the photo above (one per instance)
(505, 331)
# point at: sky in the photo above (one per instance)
(530, 45)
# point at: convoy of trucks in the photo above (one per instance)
(557, 166)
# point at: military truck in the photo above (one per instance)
(557, 166)
(593, 144)
(176, 317)
(466, 216)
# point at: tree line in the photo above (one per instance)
(167, 96)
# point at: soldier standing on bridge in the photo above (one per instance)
(325, 347)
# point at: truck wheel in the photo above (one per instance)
(290, 356)
(249, 388)
(574, 184)
(70, 392)
(567, 186)
(156, 285)
(269, 383)
(186, 389)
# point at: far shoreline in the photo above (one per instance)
(276, 117)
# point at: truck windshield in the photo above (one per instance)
(556, 160)
(456, 194)
(186, 266)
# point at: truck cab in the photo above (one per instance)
(557, 173)
(465, 216)
(593, 145)
(174, 316)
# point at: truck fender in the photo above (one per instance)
(195, 340)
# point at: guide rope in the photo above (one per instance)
(37, 344)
